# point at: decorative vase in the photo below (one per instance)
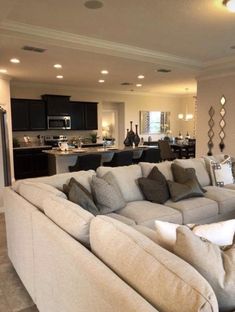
(131, 134)
(127, 141)
(136, 137)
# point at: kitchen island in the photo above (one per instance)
(59, 161)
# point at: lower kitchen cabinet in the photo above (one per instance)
(30, 163)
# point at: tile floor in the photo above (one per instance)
(13, 295)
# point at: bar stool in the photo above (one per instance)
(86, 162)
(123, 158)
(151, 155)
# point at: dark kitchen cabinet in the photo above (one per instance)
(77, 115)
(91, 118)
(20, 114)
(28, 115)
(30, 163)
(57, 105)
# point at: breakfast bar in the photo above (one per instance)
(59, 161)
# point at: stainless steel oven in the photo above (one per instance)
(58, 122)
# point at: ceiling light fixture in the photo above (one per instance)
(141, 77)
(104, 72)
(15, 60)
(230, 5)
(3, 71)
(59, 77)
(138, 85)
(101, 80)
(58, 66)
(187, 116)
(93, 4)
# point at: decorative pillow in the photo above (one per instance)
(182, 175)
(180, 191)
(220, 233)
(154, 187)
(221, 173)
(79, 195)
(107, 194)
(215, 265)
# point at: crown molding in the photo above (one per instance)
(80, 42)
(67, 88)
(5, 77)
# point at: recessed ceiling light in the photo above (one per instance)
(59, 76)
(3, 71)
(141, 77)
(93, 4)
(138, 85)
(104, 72)
(230, 5)
(164, 70)
(101, 80)
(15, 60)
(58, 66)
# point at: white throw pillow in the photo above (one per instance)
(221, 173)
(220, 233)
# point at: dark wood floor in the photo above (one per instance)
(13, 295)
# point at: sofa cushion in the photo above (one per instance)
(199, 165)
(70, 217)
(58, 180)
(220, 233)
(224, 197)
(221, 172)
(195, 209)
(126, 177)
(164, 167)
(183, 175)
(36, 192)
(145, 213)
(154, 187)
(106, 193)
(217, 266)
(121, 218)
(164, 280)
(79, 195)
(189, 189)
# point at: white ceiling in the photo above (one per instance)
(128, 38)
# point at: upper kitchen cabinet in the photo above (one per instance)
(91, 118)
(77, 115)
(57, 105)
(28, 115)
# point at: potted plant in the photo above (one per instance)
(93, 137)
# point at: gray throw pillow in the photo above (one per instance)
(154, 187)
(182, 175)
(180, 191)
(79, 195)
(107, 194)
(216, 265)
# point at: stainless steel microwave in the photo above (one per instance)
(58, 122)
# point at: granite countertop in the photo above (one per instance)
(31, 146)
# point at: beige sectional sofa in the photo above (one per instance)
(71, 261)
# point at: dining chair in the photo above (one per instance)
(165, 150)
(86, 162)
(123, 158)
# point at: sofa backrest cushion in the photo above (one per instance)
(163, 279)
(58, 180)
(70, 217)
(35, 193)
(200, 167)
(164, 167)
(126, 178)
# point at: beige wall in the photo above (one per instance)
(209, 93)
(133, 102)
(5, 103)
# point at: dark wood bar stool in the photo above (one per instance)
(86, 162)
(151, 155)
(123, 158)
